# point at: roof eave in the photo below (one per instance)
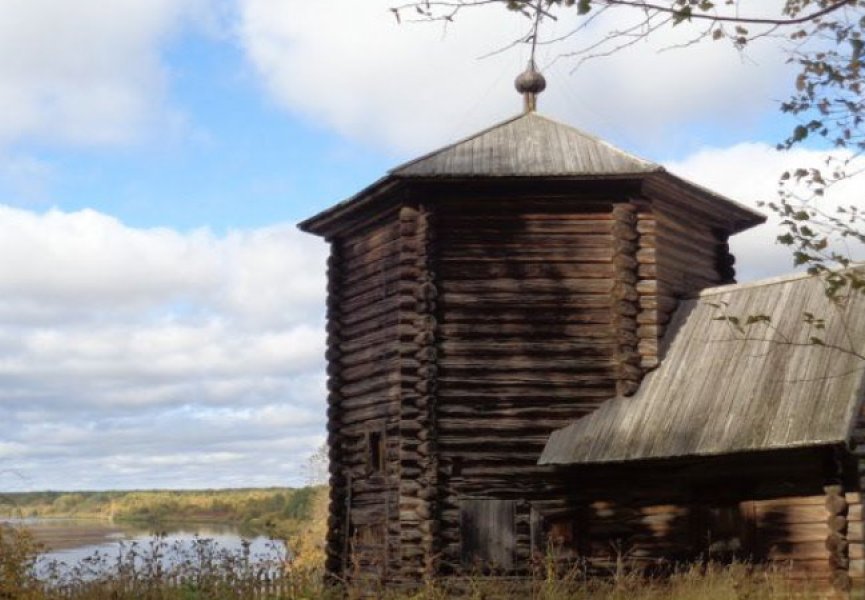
(741, 217)
(327, 222)
(582, 462)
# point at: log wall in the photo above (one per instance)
(418, 455)
(526, 344)
(680, 253)
(364, 399)
(794, 509)
(462, 330)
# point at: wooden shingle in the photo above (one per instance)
(721, 390)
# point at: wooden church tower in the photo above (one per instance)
(479, 298)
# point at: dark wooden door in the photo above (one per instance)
(488, 529)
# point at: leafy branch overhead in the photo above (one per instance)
(824, 40)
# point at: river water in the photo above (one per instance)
(73, 541)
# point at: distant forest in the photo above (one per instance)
(278, 509)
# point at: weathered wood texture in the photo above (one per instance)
(724, 388)
(680, 253)
(465, 328)
(363, 414)
(489, 541)
(528, 145)
(418, 376)
(526, 342)
(787, 508)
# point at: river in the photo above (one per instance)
(75, 541)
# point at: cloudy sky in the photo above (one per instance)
(161, 318)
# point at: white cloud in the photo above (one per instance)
(89, 71)
(152, 357)
(350, 66)
(117, 343)
(749, 173)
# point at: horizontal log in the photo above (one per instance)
(455, 227)
(383, 353)
(384, 257)
(486, 412)
(791, 514)
(449, 425)
(518, 301)
(368, 413)
(661, 302)
(455, 271)
(456, 240)
(375, 236)
(517, 322)
(368, 370)
(521, 395)
(363, 251)
(521, 216)
(528, 286)
(571, 250)
(371, 384)
(372, 339)
(381, 313)
(525, 347)
(455, 377)
(585, 256)
(525, 364)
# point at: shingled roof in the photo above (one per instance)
(527, 146)
(720, 390)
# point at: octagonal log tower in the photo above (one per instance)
(479, 298)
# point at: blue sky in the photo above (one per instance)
(160, 315)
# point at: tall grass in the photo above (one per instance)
(205, 571)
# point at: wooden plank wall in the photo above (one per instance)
(525, 345)
(364, 397)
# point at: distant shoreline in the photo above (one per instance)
(275, 511)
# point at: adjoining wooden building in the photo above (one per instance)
(746, 442)
(498, 289)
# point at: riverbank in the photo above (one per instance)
(55, 534)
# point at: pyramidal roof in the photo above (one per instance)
(524, 146)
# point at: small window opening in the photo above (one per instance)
(376, 451)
